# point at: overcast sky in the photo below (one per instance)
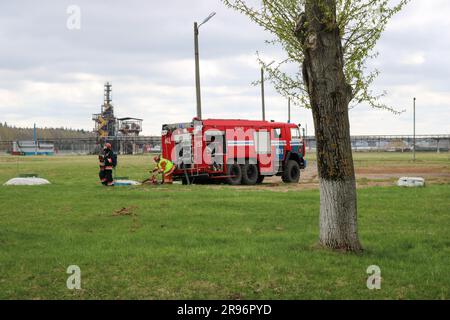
(54, 76)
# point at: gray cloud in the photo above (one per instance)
(54, 76)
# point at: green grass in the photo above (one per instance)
(364, 159)
(209, 242)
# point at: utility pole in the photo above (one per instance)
(414, 129)
(197, 73)
(262, 95)
(197, 65)
(289, 110)
(35, 140)
(262, 91)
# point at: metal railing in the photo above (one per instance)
(121, 144)
(394, 143)
(146, 144)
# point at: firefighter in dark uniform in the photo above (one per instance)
(101, 173)
(106, 165)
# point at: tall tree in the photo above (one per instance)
(330, 41)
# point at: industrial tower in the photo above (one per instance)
(105, 122)
(121, 132)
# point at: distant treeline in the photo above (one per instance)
(12, 133)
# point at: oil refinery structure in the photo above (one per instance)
(122, 133)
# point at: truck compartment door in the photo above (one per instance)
(183, 150)
(264, 152)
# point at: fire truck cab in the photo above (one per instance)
(233, 150)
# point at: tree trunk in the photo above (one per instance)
(330, 95)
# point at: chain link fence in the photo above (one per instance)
(148, 144)
(394, 143)
(84, 146)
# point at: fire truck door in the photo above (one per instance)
(278, 143)
(296, 141)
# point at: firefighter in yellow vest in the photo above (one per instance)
(165, 167)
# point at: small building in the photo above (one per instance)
(31, 148)
(130, 126)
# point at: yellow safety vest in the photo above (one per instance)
(168, 166)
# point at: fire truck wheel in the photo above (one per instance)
(292, 172)
(235, 174)
(249, 174)
(260, 179)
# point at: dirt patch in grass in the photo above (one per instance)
(129, 211)
(125, 211)
(375, 175)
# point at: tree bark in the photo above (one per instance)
(329, 95)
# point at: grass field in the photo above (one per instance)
(399, 158)
(213, 242)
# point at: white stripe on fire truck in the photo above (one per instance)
(250, 143)
(240, 143)
(296, 142)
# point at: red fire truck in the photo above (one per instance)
(235, 151)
